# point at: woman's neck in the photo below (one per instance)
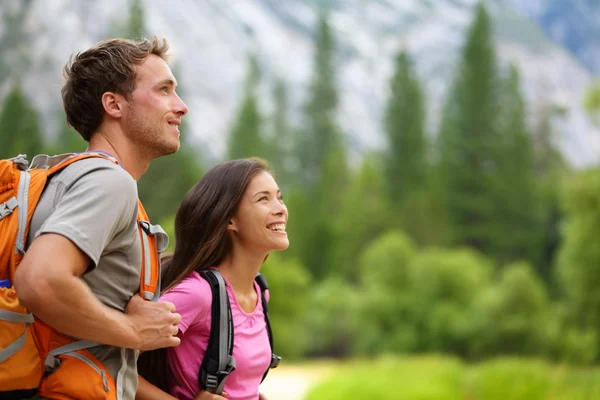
(240, 269)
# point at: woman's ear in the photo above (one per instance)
(231, 226)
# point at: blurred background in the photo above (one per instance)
(439, 159)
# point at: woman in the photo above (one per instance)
(231, 220)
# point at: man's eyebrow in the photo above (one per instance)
(169, 82)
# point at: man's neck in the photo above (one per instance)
(122, 151)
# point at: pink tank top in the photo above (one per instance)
(252, 352)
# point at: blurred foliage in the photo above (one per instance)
(437, 378)
(20, 130)
(591, 101)
(448, 247)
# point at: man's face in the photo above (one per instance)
(153, 116)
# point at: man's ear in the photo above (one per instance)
(113, 104)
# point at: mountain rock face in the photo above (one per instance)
(211, 40)
(574, 24)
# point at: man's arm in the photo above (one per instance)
(48, 284)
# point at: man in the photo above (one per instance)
(83, 264)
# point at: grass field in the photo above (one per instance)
(440, 378)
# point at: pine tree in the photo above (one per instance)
(519, 218)
(279, 139)
(550, 167)
(322, 135)
(322, 159)
(14, 40)
(405, 164)
(136, 28)
(591, 101)
(363, 216)
(246, 138)
(469, 141)
(68, 139)
(20, 131)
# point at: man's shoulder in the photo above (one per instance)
(99, 172)
(100, 165)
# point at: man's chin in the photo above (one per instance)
(168, 148)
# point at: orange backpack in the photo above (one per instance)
(33, 356)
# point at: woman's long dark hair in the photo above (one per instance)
(201, 239)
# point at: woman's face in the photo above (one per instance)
(261, 219)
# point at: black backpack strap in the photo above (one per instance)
(262, 283)
(218, 361)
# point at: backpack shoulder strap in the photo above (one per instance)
(154, 241)
(262, 283)
(218, 361)
(56, 163)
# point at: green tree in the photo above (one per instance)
(279, 144)
(578, 268)
(322, 166)
(405, 164)
(322, 136)
(20, 131)
(246, 138)
(68, 139)
(333, 320)
(136, 28)
(511, 316)
(551, 169)
(15, 40)
(362, 217)
(518, 218)
(289, 281)
(388, 323)
(469, 140)
(591, 101)
(444, 287)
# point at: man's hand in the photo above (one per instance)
(155, 323)
(204, 395)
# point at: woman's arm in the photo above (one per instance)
(147, 391)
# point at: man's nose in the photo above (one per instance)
(180, 107)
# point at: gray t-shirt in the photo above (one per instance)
(93, 203)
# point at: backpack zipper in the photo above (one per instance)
(22, 211)
(86, 360)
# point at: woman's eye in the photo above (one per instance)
(263, 198)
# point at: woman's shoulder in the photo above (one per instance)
(193, 287)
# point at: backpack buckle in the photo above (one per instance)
(146, 227)
(8, 206)
(212, 381)
(51, 363)
(275, 360)
(20, 162)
